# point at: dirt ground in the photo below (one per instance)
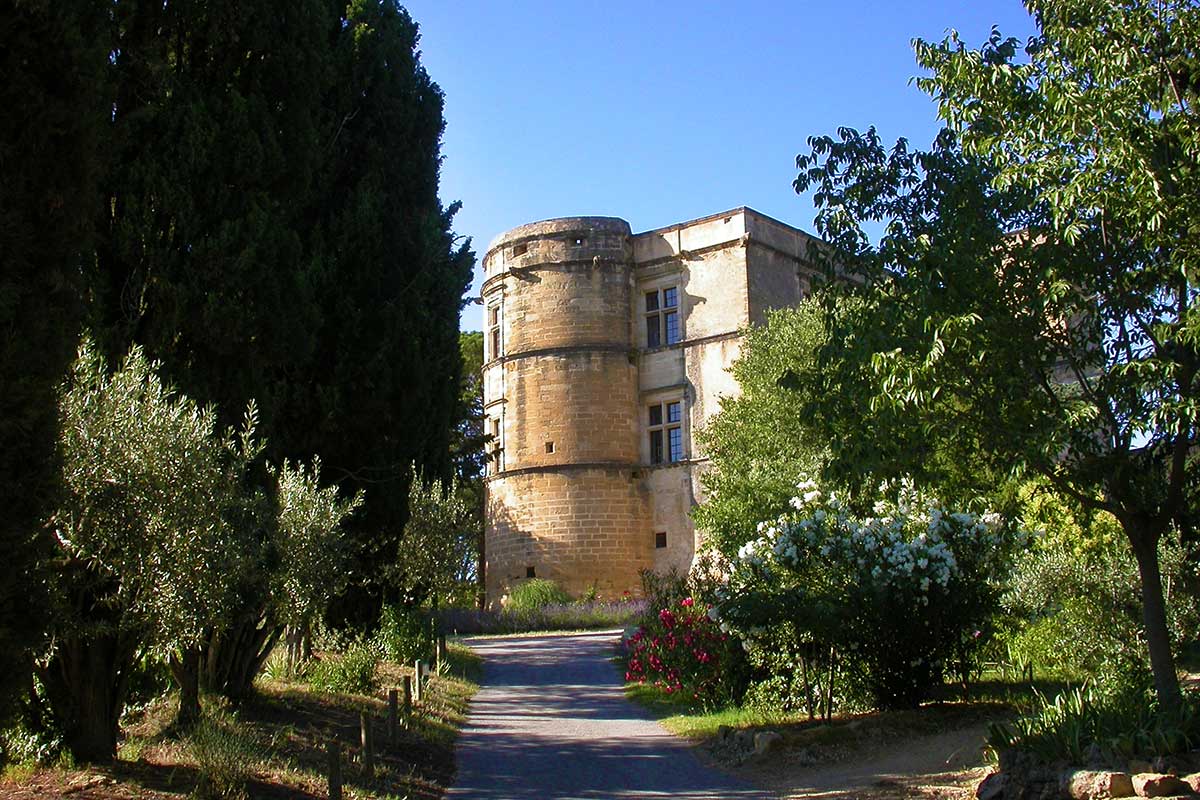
(886, 761)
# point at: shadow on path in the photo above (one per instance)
(551, 721)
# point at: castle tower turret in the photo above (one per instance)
(561, 401)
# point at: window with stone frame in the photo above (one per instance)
(494, 349)
(496, 445)
(662, 317)
(665, 429)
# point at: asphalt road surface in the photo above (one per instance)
(551, 722)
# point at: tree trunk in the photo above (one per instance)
(86, 683)
(1154, 616)
(185, 668)
(233, 657)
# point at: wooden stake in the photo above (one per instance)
(368, 746)
(334, 751)
(392, 719)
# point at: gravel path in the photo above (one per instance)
(551, 722)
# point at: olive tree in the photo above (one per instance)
(147, 556)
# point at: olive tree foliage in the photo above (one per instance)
(437, 551)
(314, 550)
(147, 558)
(761, 444)
(1032, 296)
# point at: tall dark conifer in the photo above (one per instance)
(50, 91)
(387, 387)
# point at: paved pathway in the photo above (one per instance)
(551, 722)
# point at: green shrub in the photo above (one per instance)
(353, 672)
(899, 596)
(225, 756)
(1118, 725)
(1076, 613)
(533, 594)
(405, 634)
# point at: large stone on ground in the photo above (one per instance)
(765, 742)
(1193, 781)
(1151, 784)
(992, 787)
(1097, 785)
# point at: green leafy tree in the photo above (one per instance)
(468, 443)
(50, 153)
(437, 555)
(147, 557)
(1032, 295)
(760, 444)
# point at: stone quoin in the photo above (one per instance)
(604, 352)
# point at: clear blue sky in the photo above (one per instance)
(660, 112)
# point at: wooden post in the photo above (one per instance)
(334, 752)
(441, 654)
(417, 669)
(368, 746)
(408, 698)
(392, 718)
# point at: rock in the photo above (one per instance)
(1152, 784)
(724, 732)
(992, 787)
(766, 741)
(1097, 785)
(744, 739)
(1193, 781)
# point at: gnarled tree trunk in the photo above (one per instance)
(87, 682)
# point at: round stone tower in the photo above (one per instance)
(564, 499)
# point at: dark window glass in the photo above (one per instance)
(675, 436)
(673, 414)
(656, 415)
(652, 301)
(530, 572)
(671, 318)
(660, 539)
(656, 447)
(653, 338)
(670, 297)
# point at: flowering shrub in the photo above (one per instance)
(898, 594)
(683, 651)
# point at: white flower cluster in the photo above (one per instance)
(910, 543)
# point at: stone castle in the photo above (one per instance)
(605, 351)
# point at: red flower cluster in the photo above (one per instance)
(679, 652)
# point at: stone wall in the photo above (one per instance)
(581, 527)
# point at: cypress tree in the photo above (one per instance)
(49, 144)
